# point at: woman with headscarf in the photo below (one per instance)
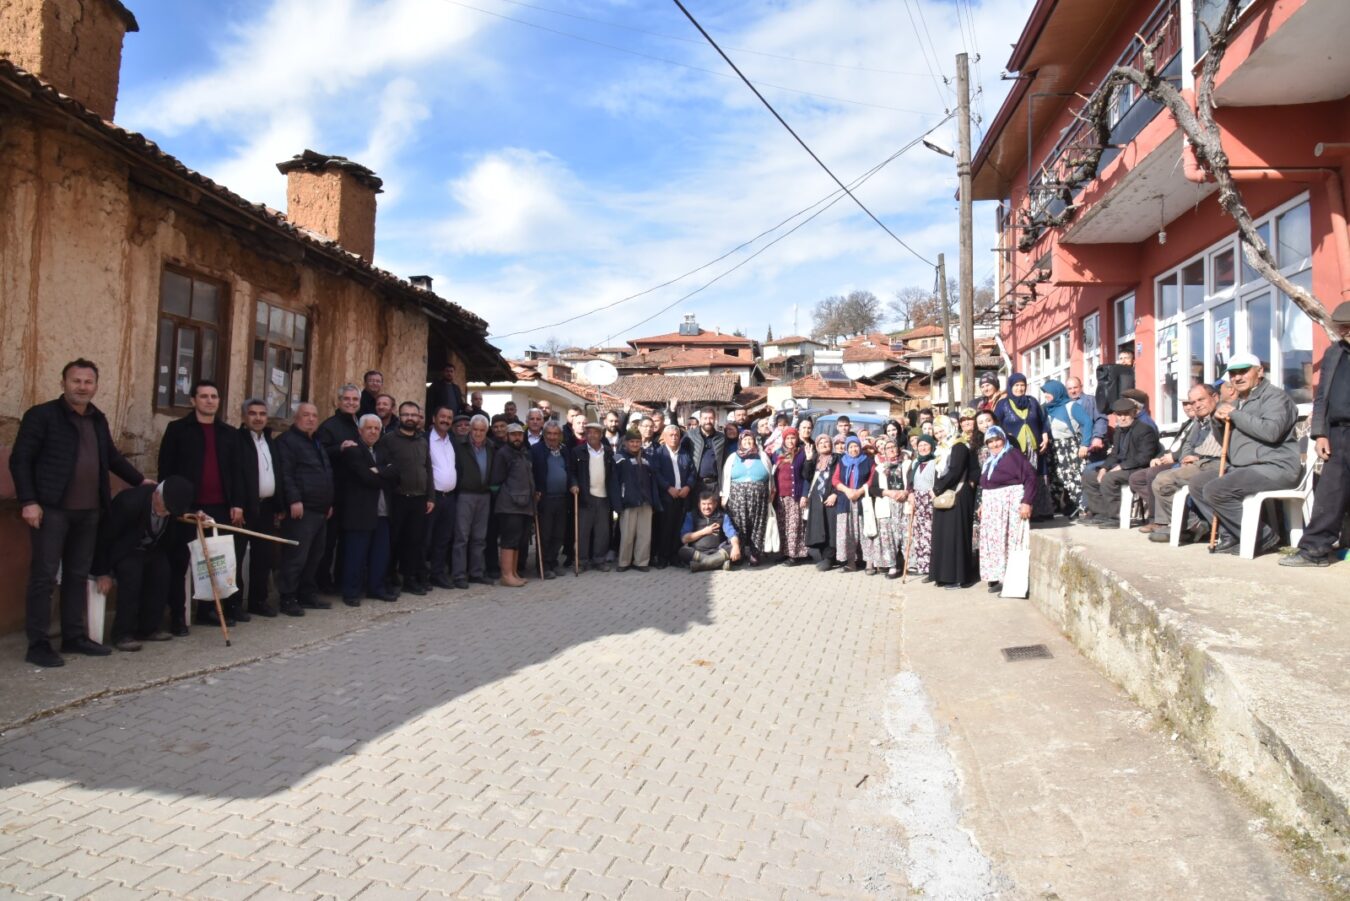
(820, 501)
(1068, 422)
(732, 433)
(889, 491)
(958, 470)
(1008, 484)
(1023, 422)
(919, 530)
(747, 492)
(790, 481)
(852, 478)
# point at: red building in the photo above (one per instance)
(1140, 255)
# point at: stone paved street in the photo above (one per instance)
(659, 735)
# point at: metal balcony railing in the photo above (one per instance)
(1056, 183)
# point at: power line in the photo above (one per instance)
(671, 62)
(796, 136)
(942, 98)
(832, 198)
(675, 37)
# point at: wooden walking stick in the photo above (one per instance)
(211, 576)
(238, 531)
(576, 535)
(1223, 464)
(538, 544)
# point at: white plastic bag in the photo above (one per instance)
(220, 548)
(772, 544)
(96, 612)
(1017, 575)
(869, 517)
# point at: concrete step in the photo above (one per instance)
(1066, 787)
(1248, 660)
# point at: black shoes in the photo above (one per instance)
(292, 608)
(205, 616)
(316, 604)
(1303, 558)
(261, 611)
(85, 646)
(41, 654)
(352, 602)
(462, 584)
(387, 596)
(480, 580)
(442, 582)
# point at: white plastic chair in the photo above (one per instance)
(1179, 514)
(1297, 509)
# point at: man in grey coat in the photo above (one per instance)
(1262, 453)
(511, 479)
(1331, 430)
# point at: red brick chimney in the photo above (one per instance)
(333, 196)
(73, 45)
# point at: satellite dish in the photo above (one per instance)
(599, 372)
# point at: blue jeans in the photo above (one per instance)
(365, 559)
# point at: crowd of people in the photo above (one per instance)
(383, 498)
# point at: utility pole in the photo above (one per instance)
(946, 324)
(967, 225)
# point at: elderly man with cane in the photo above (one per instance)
(1331, 431)
(1262, 454)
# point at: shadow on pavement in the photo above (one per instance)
(261, 727)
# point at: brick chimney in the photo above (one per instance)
(73, 45)
(333, 196)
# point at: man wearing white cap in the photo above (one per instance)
(1331, 432)
(1262, 453)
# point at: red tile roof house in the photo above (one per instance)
(1143, 258)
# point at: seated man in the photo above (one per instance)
(708, 539)
(133, 551)
(1133, 445)
(1262, 453)
(1141, 480)
(1199, 453)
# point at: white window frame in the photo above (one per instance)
(1123, 338)
(1050, 359)
(1178, 327)
(1092, 352)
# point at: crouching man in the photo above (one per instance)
(708, 540)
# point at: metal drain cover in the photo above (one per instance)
(1026, 652)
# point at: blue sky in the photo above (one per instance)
(537, 176)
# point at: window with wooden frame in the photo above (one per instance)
(280, 371)
(189, 347)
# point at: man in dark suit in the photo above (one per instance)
(306, 479)
(205, 451)
(262, 511)
(593, 466)
(555, 483)
(1133, 446)
(675, 477)
(366, 505)
(370, 394)
(133, 552)
(60, 464)
(705, 446)
(445, 393)
(337, 433)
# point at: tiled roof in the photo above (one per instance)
(815, 386)
(861, 353)
(920, 331)
(528, 371)
(661, 388)
(879, 339)
(697, 357)
(793, 339)
(703, 337)
(26, 86)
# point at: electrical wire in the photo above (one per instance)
(671, 62)
(832, 198)
(797, 137)
(942, 97)
(675, 37)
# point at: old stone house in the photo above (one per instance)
(113, 250)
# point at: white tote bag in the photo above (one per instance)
(772, 544)
(96, 612)
(220, 549)
(869, 513)
(1017, 575)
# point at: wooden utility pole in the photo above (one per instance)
(946, 325)
(967, 262)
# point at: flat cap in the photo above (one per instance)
(514, 427)
(1125, 406)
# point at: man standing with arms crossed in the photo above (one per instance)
(60, 464)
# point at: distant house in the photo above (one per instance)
(541, 379)
(835, 393)
(692, 351)
(684, 394)
(790, 357)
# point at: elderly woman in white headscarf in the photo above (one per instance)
(1008, 489)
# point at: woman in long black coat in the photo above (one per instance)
(820, 501)
(953, 562)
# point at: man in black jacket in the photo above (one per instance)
(337, 433)
(262, 510)
(366, 506)
(555, 485)
(705, 447)
(205, 451)
(133, 550)
(473, 506)
(414, 498)
(1133, 445)
(445, 393)
(60, 464)
(306, 479)
(370, 395)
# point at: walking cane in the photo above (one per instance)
(215, 592)
(576, 535)
(1223, 464)
(538, 544)
(909, 543)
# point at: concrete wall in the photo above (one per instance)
(82, 250)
